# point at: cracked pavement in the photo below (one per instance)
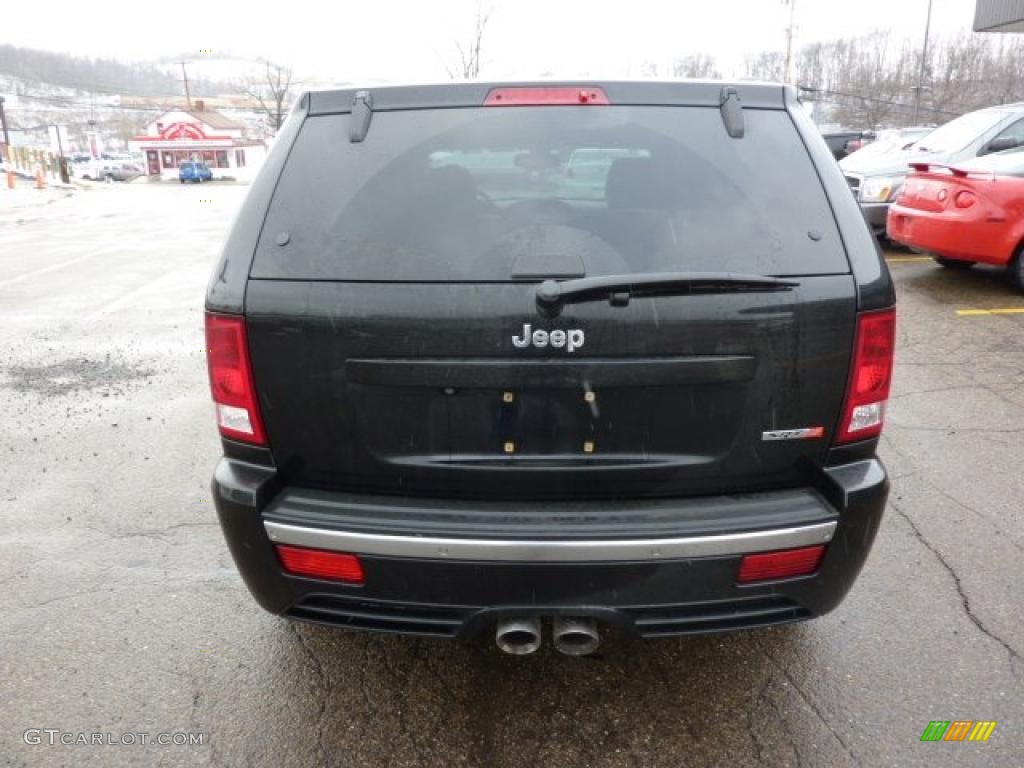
(123, 612)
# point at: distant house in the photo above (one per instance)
(201, 134)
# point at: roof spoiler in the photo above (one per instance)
(960, 173)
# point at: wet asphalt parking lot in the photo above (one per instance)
(121, 611)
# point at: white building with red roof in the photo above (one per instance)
(199, 134)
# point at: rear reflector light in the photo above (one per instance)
(231, 382)
(870, 376)
(769, 566)
(540, 96)
(320, 564)
(964, 199)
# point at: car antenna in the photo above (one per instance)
(362, 113)
(731, 107)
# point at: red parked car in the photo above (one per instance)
(963, 215)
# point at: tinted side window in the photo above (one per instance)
(522, 193)
(1013, 133)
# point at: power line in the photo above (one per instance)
(115, 90)
(71, 102)
(152, 73)
(59, 99)
(47, 126)
(100, 87)
(78, 106)
(875, 100)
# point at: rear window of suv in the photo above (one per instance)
(522, 193)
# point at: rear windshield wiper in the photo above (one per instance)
(552, 295)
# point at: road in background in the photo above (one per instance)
(123, 613)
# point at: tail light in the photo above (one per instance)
(231, 382)
(870, 376)
(964, 199)
(320, 564)
(784, 564)
(534, 96)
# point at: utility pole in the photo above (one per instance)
(184, 77)
(924, 63)
(3, 123)
(62, 163)
(789, 40)
(94, 142)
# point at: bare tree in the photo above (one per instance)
(880, 75)
(769, 65)
(971, 71)
(698, 65)
(468, 66)
(272, 92)
(870, 82)
(649, 69)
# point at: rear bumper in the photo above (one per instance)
(657, 567)
(952, 238)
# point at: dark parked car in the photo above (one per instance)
(194, 171)
(461, 391)
(842, 143)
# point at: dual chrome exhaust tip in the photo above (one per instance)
(576, 636)
(573, 636)
(518, 636)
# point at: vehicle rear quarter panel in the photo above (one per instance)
(1002, 231)
(874, 284)
(1013, 206)
(226, 290)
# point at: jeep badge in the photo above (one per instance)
(571, 339)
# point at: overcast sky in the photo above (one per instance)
(413, 39)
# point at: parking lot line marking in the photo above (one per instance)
(51, 268)
(1002, 311)
(900, 259)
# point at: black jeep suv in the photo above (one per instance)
(603, 354)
